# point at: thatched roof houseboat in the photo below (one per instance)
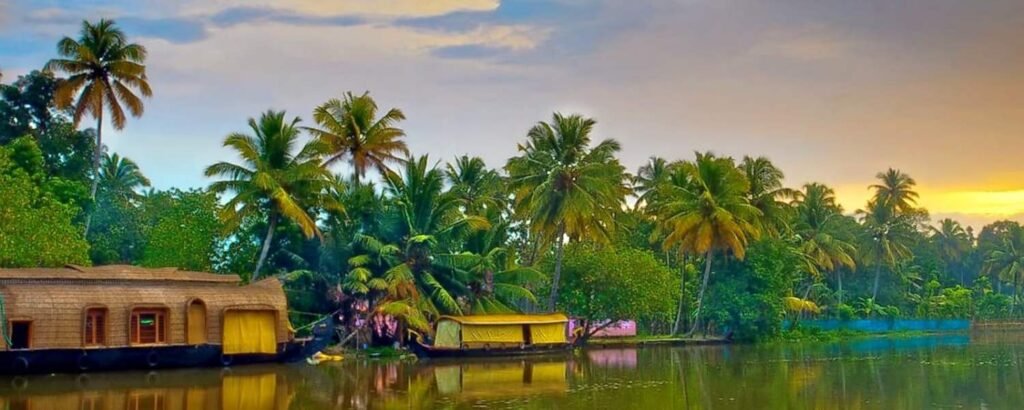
(496, 335)
(112, 317)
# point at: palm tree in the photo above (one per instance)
(816, 225)
(953, 242)
(272, 181)
(887, 238)
(350, 129)
(767, 194)
(103, 69)
(1006, 262)
(649, 177)
(705, 210)
(478, 187)
(565, 187)
(120, 176)
(889, 221)
(427, 218)
(895, 191)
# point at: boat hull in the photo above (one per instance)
(14, 362)
(426, 351)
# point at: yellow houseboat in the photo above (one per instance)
(496, 335)
(76, 319)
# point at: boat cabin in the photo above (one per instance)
(119, 306)
(500, 331)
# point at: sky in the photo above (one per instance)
(831, 91)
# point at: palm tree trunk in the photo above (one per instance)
(700, 296)
(266, 247)
(1016, 288)
(874, 289)
(681, 312)
(95, 169)
(839, 280)
(558, 267)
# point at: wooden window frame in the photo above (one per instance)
(163, 326)
(106, 325)
(31, 330)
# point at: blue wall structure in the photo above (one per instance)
(889, 325)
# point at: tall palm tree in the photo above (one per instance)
(895, 191)
(566, 188)
(478, 187)
(889, 221)
(103, 69)
(1006, 262)
(816, 225)
(887, 238)
(427, 218)
(120, 176)
(953, 242)
(706, 210)
(649, 177)
(273, 181)
(767, 194)
(351, 129)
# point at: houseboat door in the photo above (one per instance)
(250, 331)
(21, 334)
(196, 322)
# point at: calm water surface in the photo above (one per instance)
(979, 371)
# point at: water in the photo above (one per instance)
(980, 371)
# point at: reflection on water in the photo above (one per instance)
(976, 371)
(252, 388)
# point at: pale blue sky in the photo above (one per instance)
(832, 91)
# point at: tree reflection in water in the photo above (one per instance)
(976, 371)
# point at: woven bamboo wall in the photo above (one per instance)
(56, 306)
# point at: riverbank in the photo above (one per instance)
(801, 335)
(663, 340)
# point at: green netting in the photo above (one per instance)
(447, 334)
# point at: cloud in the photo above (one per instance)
(239, 15)
(175, 30)
(808, 44)
(377, 8)
(472, 51)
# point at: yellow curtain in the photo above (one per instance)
(255, 392)
(553, 372)
(196, 323)
(447, 334)
(550, 333)
(249, 331)
(487, 377)
(492, 333)
(196, 399)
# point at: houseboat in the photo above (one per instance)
(495, 335)
(78, 319)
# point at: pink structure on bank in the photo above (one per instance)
(624, 328)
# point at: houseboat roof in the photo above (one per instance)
(114, 273)
(508, 319)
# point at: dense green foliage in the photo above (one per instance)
(603, 285)
(185, 230)
(36, 215)
(747, 299)
(703, 242)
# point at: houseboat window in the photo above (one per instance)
(148, 326)
(21, 334)
(95, 331)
